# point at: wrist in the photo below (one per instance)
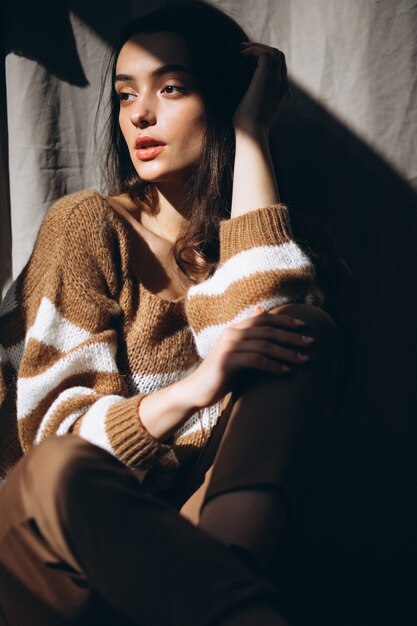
(163, 411)
(195, 387)
(187, 392)
(250, 132)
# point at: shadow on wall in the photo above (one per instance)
(354, 550)
(46, 33)
(359, 525)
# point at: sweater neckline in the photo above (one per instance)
(165, 301)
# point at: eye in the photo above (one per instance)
(171, 89)
(124, 96)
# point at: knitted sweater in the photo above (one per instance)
(88, 340)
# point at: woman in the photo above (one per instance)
(161, 324)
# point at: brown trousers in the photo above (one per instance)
(82, 542)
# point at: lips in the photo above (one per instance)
(147, 142)
(148, 148)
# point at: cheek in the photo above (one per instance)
(198, 139)
(123, 125)
(198, 120)
(193, 127)
(200, 133)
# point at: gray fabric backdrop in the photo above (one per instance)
(346, 153)
(356, 59)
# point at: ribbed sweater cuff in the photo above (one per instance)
(132, 443)
(267, 226)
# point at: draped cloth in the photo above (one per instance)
(354, 61)
(345, 152)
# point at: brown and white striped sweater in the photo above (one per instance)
(88, 340)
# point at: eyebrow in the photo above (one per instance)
(160, 71)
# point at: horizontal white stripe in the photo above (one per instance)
(53, 329)
(93, 424)
(72, 392)
(148, 383)
(286, 256)
(94, 357)
(206, 338)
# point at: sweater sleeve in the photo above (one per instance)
(260, 265)
(68, 379)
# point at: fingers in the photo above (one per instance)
(270, 58)
(276, 60)
(250, 48)
(258, 361)
(261, 318)
(267, 91)
(271, 350)
(273, 343)
(260, 46)
(276, 335)
(262, 344)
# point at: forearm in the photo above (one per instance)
(164, 411)
(254, 182)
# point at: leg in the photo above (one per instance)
(248, 497)
(82, 543)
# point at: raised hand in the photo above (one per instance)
(267, 92)
(254, 183)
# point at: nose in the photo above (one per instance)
(143, 115)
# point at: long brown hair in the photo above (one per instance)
(222, 77)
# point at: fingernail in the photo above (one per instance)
(258, 311)
(307, 339)
(303, 357)
(299, 322)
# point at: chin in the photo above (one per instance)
(158, 171)
(177, 177)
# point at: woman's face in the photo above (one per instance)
(161, 115)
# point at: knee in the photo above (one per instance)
(56, 466)
(320, 325)
(312, 387)
(324, 367)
